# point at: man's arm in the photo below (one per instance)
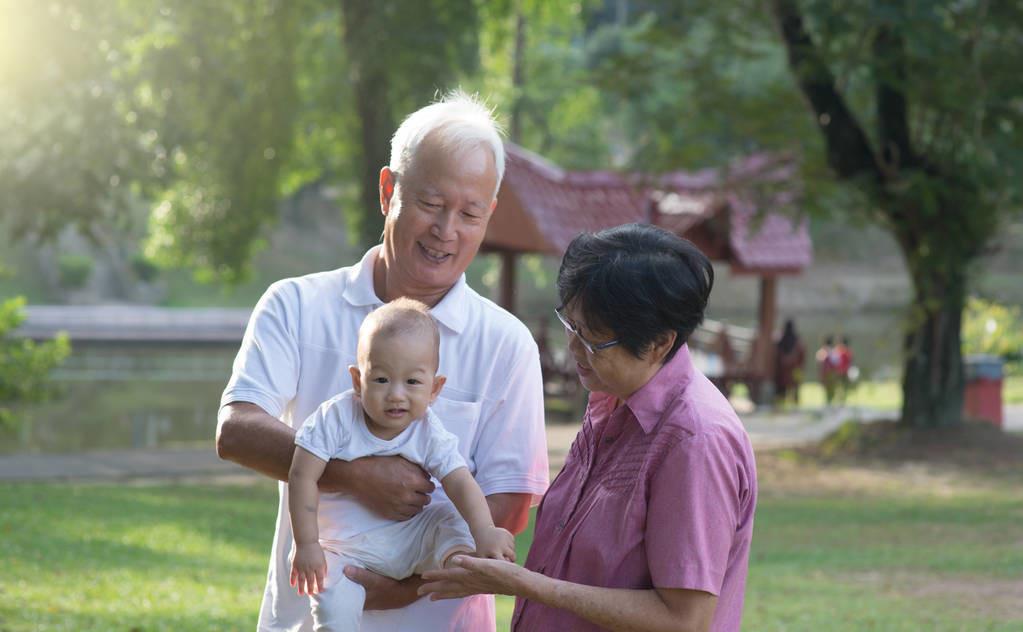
(392, 487)
(510, 511)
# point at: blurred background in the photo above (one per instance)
(163, 161)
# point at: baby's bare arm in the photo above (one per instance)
(468, 499)
(303, 494)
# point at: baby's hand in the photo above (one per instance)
(496, 543)
(308, 568)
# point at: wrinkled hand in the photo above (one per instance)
(477, 576)
(308, 568)
(391, 486)
(382, 592)
(496, 543)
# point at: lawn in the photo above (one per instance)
(835, 548)
(888, 395)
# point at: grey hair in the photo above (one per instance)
(461, 120)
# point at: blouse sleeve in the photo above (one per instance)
(693, 514)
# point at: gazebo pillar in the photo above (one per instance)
(766, 312)
(506, 296)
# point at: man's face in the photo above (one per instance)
(436, 215)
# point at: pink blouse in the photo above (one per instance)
(659, 492)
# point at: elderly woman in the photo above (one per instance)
(648, 526)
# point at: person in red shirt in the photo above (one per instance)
(827, 368)
(843, 361)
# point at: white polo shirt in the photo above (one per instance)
(300, 340)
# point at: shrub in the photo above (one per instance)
(75, 270)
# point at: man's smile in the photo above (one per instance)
(436, 256)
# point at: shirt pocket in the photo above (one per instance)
(461, 419)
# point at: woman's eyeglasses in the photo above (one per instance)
(590, 347)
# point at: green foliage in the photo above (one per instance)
(994, 329)
(144, 269)
(216, 84)
(72, 148)
(74, 270)
(24, 364)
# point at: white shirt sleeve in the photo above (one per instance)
(266, 368)
(325, 431)
(442, 456)
(511, 448)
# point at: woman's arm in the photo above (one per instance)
(667, 609)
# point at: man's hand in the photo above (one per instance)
(384, 593)
(495, 543)
(389, 486)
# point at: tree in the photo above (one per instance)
(942, 165)
(399, 53)
(935, 162)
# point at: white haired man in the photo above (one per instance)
(437, 196)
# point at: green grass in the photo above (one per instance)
(1012, 389)
(100, 557)
(888, 395)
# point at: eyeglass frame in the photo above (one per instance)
(591, 348)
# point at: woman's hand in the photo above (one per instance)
(478, 576)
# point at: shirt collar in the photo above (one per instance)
(450, 311)
(653, 398)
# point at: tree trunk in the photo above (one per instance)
(364, 29)
(932, 381)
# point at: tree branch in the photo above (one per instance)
(849, 151)
(892, 115)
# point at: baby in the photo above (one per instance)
(385, 413)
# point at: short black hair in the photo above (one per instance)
(639, 282)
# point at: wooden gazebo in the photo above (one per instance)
(741, 214)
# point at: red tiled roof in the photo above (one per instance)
(542, 207)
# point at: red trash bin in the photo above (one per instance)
(982, 399)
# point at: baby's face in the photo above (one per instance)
(396, 380)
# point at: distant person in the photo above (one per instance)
(386, 413)
(790, 354)
(437, 196)
(827, 368)
(845, 372)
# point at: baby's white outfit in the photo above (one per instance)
(350, 534)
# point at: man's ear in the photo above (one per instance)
(387, 182)
(438, 383)
(356, 379)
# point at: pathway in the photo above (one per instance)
(766, 430)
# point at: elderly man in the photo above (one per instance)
(437, 196)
